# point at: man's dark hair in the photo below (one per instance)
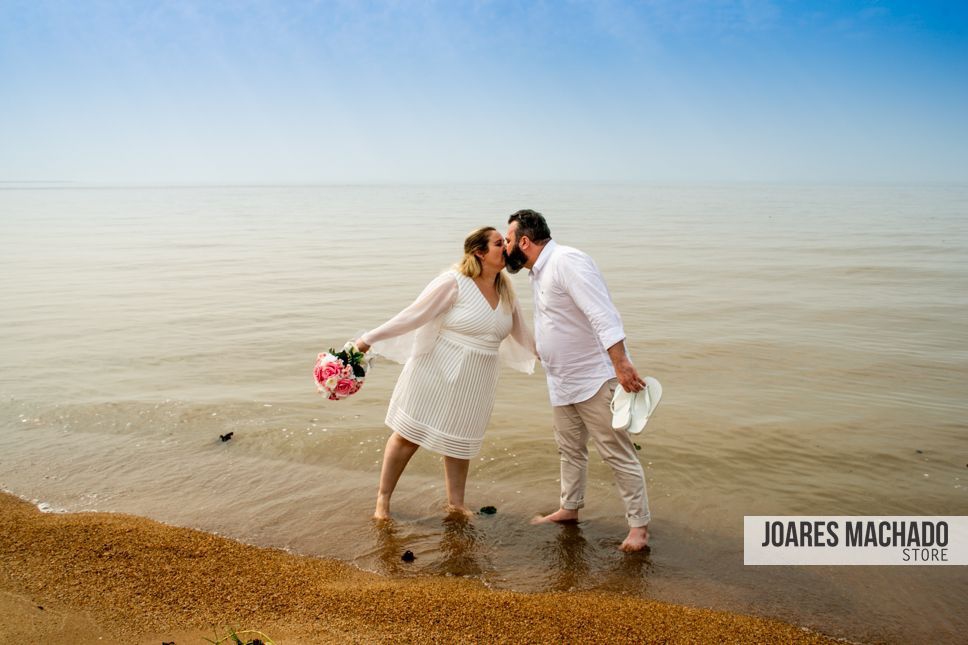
(532, 225)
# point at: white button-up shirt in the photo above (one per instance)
(575, 323)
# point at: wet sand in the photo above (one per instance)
(100, 577)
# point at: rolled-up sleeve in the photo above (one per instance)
(586, 286)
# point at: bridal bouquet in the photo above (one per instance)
(340, 374)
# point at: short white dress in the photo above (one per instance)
(444, 396)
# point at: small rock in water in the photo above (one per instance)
(637, 446)
(408, 556)
(920, 452)
(40, 607)
(226, 437)
(488, 510)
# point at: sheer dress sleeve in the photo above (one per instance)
(518, 350)
(406, 333)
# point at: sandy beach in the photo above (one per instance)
(97, 577)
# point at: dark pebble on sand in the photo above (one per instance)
(488, 510)
(226, 437)
(408, 556)
(920, 452)
(637, 446)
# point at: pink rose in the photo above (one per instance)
(326, 370)
(344, 387)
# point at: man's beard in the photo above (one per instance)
(515, 259)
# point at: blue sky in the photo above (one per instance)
(291, 92)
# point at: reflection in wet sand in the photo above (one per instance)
(460, 547)
(389, 547)
(567, 557)
(575, 563)
(628, 572)
(460, 551)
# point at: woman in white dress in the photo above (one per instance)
(453, 338)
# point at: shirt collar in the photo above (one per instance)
(543, 257)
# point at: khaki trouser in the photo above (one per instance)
(573, 425)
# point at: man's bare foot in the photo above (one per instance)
(561, 515)
(382, 511)
(454, 510)
(637, 539)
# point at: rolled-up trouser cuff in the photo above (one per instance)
(636, 522)
(572, 506)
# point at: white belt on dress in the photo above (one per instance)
(471, 341)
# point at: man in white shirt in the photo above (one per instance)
(581, 344)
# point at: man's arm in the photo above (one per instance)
(587, 288)
(627, 375)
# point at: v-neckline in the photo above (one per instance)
(483, 297)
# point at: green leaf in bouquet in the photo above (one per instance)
(358, 370)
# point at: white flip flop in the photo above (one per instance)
(621, 407)
(644, 404)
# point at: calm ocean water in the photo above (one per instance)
(811, 341)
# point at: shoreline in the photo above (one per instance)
(104, 577)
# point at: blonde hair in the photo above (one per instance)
(479, 241)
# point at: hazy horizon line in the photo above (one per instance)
(74, 184)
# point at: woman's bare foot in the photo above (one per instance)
(382, 511)
(458, 510)
(561, 515)
(637, 539)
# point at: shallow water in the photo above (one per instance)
(810, 340)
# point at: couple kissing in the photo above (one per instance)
(467, 322)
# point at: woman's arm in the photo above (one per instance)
(439, 296)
